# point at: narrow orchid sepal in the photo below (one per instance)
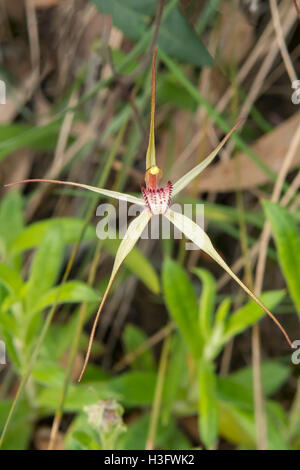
(197, 235)
(150, 156)
(134, 231)
(188, 177)
(104, 192)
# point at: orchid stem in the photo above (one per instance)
(158, 394)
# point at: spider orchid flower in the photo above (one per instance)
(157, 200)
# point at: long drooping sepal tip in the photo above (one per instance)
(297, 8)
(92, 335)
(102, 191)
(150, 156)
(8, 185)
(201, 239)
(238, 123)
(36, 180)
(281, 329)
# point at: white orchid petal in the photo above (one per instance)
(188, 177)
(105, 192)
(132, 235)
(197, 235)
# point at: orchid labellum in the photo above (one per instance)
(157, 200)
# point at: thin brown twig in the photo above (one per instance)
(297, 8)
(275, 198)
(33, 34)
(262, 73)
(258, 51)
(60, 158)
(259, 398)
(296, 202)
(293, 189)
(152, 341)
(281, 41)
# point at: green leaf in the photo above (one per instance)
(178, 39)
(81, 436)
(170, 92)
(59, 337)
(287, 240)
(237, 422)
(11, 280)
(11, 216)
(9, 333)
(176, 36)
(48, 373)
(232, 391)
(133, 388)
(251, 313)
(78, 396)
(237, 388)
(175, 376)
(237, 425)
(83, 440)
(70, 292)
(130, 16)
(46, 265)
(274, 375)
(133, 338)
(34, 233)
(71, 231)
(182, 303)
(214, 342)
(207, 301)
(167, 437)
(222, 312)
(208, 404)
(16, 136)
(20, 431)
